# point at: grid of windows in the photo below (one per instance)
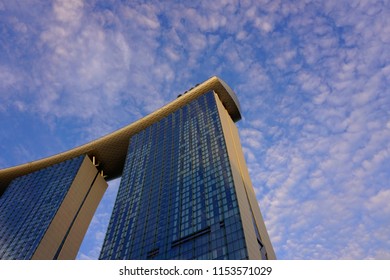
(176, 199)
(28, 206)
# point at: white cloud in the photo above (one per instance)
(9, 79)
(144, 15)
(69, 12)
(251, 137)
(263, 25)
(197, 41)
(379, 206)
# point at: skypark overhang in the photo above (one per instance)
(110, 150)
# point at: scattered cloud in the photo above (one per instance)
(312, 80)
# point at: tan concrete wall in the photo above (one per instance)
(80, 226)
(246, 196)
(61, 222)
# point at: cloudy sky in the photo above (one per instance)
(313, 79)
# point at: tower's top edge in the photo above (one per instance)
(232, 106)
(225, 94)
(234, 97)
(111, 149)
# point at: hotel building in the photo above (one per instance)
(185, 191)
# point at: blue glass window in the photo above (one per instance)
(176, 198)
(29, 204)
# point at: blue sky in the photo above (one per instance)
(312, 77)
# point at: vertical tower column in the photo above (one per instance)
(253, 224)
(63, 237)
(45, 214)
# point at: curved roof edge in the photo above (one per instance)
(111, 149)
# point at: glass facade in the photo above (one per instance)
(28, 206)
(176, 198)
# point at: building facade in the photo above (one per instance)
(179, 196)
(45, 214)
(185, 191)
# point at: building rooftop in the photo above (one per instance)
(110, 150)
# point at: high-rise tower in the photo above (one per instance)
(185, 191)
